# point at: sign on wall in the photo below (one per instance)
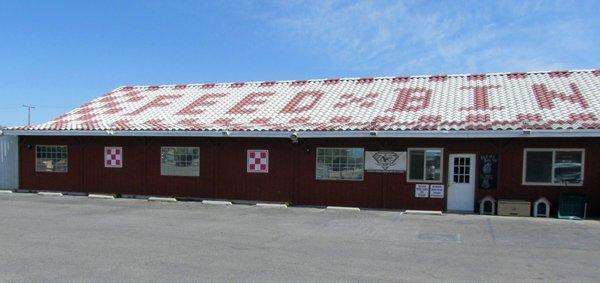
(488, 171)
(258, 161)
(113, 157)
(422, 190)
(436, 191)
(385, 161)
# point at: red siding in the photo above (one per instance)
(292, 170)
(233, 182)
(98, 179)
(199, 187)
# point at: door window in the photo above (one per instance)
(462, 170)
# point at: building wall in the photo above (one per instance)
(292, 170)
(9, 173)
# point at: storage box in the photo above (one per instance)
(514, 208)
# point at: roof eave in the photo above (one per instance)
(321, 134)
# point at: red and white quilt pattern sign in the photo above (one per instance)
(113, 157)
(258, 161)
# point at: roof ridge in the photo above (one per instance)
(359, 78)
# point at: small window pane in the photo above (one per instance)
(426, 165)
(340, 164)
(417, 164)
(433, 165)
(180, 161)
(567, 167)
(51, 158)
(538, 167)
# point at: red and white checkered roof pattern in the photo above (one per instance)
(507, 101)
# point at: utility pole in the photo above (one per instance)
(29, 107)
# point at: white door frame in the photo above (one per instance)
(470, 198)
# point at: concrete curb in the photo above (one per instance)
(6, 192)
(216, 202)
(423, 212)
(162, 199)
(343, 208)
(50, 194)
(272, 205)
(101, 196)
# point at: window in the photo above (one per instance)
(51, 158)
(425, 165)
(554, 167)
(180, 161)
(340, 164)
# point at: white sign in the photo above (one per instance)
(422, 190)
(436, 191)
(385, 161)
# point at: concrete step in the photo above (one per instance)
(163, 199)
(423, 212)
(52, 194)
(343, 208)
(272, 205)
(100, 196)
(216, 202)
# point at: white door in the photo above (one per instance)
(461, 182)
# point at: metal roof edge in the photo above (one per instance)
(321, 134)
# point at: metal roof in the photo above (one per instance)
(500, 104)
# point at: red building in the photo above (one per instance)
(427, 142)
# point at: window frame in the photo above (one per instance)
(553, 150)
(409, 180)
(184, 176)
(52, 145)
(342, 180)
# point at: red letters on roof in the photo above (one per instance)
(542, 100)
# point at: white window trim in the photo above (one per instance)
(409, 180)
(343, 180)
(56, 145)
(182, 176)
(553, 150)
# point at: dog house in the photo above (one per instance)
(487, 206)
(541, 208)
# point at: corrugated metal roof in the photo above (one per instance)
(502, 101)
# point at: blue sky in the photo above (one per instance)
(59, 54)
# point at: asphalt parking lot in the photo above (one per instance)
(58, 239)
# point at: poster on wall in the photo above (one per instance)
(385, 161)
(436, 191)
(422, 190)
(258, 161)
(488, 171)
(113, 157)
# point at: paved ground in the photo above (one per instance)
(53, 239)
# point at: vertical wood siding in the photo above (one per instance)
(292, 170)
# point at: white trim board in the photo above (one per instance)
(317, 134)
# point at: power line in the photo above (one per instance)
(29, 107)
